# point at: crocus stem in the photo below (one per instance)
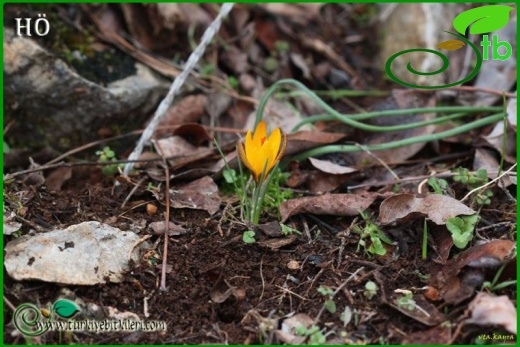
(400, 143)
(333, 114)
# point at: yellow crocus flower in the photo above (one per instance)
(261, 150)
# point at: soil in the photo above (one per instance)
(202, 264)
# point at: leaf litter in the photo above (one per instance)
(220, 290)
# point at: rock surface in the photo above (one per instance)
(57, 106)
(83, 254)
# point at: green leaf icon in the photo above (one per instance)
(65, 308)
(482, 20)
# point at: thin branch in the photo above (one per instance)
(167, 219)
(177, 84)
(489, 183)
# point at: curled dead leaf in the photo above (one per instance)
(329, 204)
(437, 207)
(461, 276)
(221, 291)
(194, 133)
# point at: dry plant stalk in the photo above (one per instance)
(176, 85)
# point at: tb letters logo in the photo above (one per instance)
(480, 20)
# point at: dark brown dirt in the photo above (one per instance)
(202, 259)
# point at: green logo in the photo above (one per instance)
(480, 20)
(34, 321)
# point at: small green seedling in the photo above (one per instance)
(314, 333)
(249, 237)
(370, 290)
(329, 304)
(287, 230)
(233, 82)
(461, 229)
(439, 185)
(375, 234)
(407, 301)
(474, 180)
(105, 156)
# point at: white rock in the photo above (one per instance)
(82, 254)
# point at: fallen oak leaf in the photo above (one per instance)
(437, 207)
(201, 194)
(328, 204)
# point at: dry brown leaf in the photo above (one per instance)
(187, 110)
(489, 310)
(320, 182)
(171, 14)
(460, 277)
(195, 14)
(400, 99)
(235, 59)
(500, 250)
(287, 332)
(278, 242)
(486, 159)
(437, 207)
(174, 146)
(496, 137)
(305, 140)
(173, 230)
(300, 13)
(57, 178)
(221, 291)
(331, 168)
(329, 204)
(428, 314)
(439, 335)
(194, 133)
(201, 194)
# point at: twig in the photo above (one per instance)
(166, 217)
(11, 306)
(262, 277)
(134, 189)
(488, 184)
(177, 84)
(364, 148)
(483, 90)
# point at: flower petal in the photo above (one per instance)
(243, 157)
(283, 146)
(251, 151)
(274, 143)
(260, 133)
